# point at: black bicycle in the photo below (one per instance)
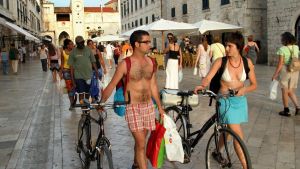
(222, 145)
(100, 150)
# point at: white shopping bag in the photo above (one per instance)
(195, 71)
(273, 90)
(174, 149)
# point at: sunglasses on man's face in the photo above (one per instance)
(146, 42)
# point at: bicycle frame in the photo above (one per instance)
(101, 139)
(185, 109)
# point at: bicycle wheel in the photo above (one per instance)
(104, 158)
(179, 120)
(84, 137)
(226, 156)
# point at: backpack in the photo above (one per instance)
(119, 95)
(215, 83)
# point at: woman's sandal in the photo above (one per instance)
(284, 113)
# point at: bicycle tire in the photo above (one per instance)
(84, 140)
(104, 158)
(180, 121)
(228, 157)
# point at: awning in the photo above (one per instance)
(18, 29)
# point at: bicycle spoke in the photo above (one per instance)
(231, 153)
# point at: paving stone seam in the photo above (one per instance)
(13, 161)
(57, 133)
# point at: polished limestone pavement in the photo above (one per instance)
(37, 131)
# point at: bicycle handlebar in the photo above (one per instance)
(86, 104)
(210, 93)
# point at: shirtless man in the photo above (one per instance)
(140, 114)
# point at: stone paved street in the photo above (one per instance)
(37, 131)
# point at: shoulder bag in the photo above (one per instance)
(294, 63)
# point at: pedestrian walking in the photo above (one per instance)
(82, 62)
(117, 52)
(24, 53)
(126, 50)
(233, 110)
(217, 49)
(287, 80)
(101, 49)
(109, 54)
(43, 54)
(173, 65)
(66, 72)
(140, 113)
(53, 57)
(98, 57)
(203, 57)
(14, 58)
(251, 49)
(20, 54)
(4, 60)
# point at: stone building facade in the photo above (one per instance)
(249, 14)
(25, 14)
(283, 15)
(135, 13)
(69, 22)
(265, 19)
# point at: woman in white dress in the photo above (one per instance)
(203, 58)
(174, 63)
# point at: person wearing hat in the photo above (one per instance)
(82, 62)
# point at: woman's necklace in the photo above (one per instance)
(235, 66)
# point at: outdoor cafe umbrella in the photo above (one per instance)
(208, 25)
(107, 38)
(128, 33)
(167, 25)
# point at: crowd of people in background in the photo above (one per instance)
(13, 54)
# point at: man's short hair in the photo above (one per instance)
(136, 36)
(79, 39)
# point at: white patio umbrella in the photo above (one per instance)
(167, 25)
(107, 38)
(128, 33)
(208, 25)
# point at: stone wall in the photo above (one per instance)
(282, 17)
(250, 14)
(153, 8)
